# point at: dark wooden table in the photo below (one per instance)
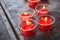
(13, 6)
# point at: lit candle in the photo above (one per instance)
(46, 23)
(27, 25)
(28, 28)
(43, 11)
(33, 3)
(46, 20)
(25, 16)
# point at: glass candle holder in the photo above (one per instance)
(28, 28)
(46, 22)
(26, 14)
(33, 3)
(42, 9)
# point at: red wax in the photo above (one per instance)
(45, 24)
(43, 12)
(33, 3)
(48, 20)
(25, 16)
(27, 29)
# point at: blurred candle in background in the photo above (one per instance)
(25, 15)
(42, 9)
(33, 3)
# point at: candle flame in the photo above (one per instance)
(45, 19)
(44, 7)
(25, 13)
(28, 22)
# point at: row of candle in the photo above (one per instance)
(44, 22)
(28, 25)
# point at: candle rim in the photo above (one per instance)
(47, 24)
(19, 13)
(40, 5)
(42, 12)
(34, 1)
(35, 25)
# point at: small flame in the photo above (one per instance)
(44, 7)
(45, 19)
(25, 13)
(28, 22)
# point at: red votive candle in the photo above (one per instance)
(28, 14)
(41, 10)
(25, 15)
(33, 3)
(46, 22)
(28, 28)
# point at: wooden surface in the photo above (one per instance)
(3, 31)
(6, 32)
(14, 6)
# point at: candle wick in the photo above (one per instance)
(44, 7)
(25, 13)
(28, 23)
(45, 19)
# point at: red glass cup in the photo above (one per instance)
(33, 3)
(28, 30)
(42, 9)
(46, 22)
(28, 13)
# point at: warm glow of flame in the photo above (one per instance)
(45, 19)
(44, 7)
(28, 22)
(25, 13)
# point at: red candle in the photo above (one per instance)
(33, 3)
(24, 16)
(43, 11)
(46, 23)
(28, 28)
